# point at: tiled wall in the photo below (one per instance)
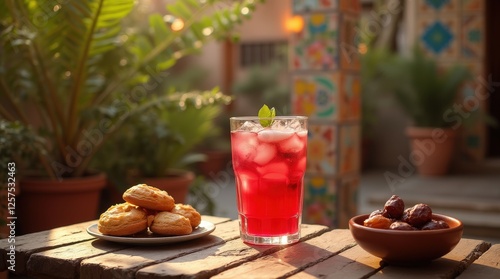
(326, 87)
(453, 31)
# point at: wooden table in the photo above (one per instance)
(69, 252)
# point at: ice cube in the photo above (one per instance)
(289, 124)
(292, 145)
(277, 167)
(246, 145)
(294, 125)
(264, 154)
(250, 126)
(245, 180)
(269, 135)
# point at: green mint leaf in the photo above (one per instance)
(266, 115)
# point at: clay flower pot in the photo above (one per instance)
(431, 149)
(45, 204)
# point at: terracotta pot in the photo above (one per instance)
(4, 209)
(432, 149)
(176, 183)
(46, 204)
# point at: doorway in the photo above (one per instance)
(493, 68)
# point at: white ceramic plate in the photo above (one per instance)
(203, 229)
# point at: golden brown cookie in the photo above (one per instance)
(168, 223)
(122, 219)
(149, 197)
(189, 212)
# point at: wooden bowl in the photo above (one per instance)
(407, 247)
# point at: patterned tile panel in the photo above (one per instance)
(320, 200)
(349, 149)
(351, 6)
(316, 46)
(348, 200)
(316, 96)
(349, 40)
(472, 5)
(473, 142)
(322, 149)
(473, 36)
(303, 6)
(350, 97)
(438, 6)
(439, 36)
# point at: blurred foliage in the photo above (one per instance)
(425, 91)
(85, 68)
(17, 143)
(266, 85)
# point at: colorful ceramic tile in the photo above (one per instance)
(439, 36)
(348, 200)
(438, 6)
(316, 46)
(349, 97)
(351, 6)
(473, 37)
(472, 5)
(320, 201)
(473, 144)
(349, 40)
(307, 6)
(316, 96)
(322, 149)
(349, 149)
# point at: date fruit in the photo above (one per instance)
(402, 226)
(435, 225)
(394, 207)
(378, 221)
(418, 215)
(393, 216)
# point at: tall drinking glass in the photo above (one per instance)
(269, 165)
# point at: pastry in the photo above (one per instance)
(189, 212)
(149, 197)
(168, 223)
(122, 219)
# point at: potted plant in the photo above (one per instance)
(16, 142)
(79, 73)
(157, 147)
(373, 86)
(427, 92)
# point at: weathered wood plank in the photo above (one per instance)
(487, 266)
(214, 219)
(64, 258)
(64, 262)
(125, 263)
(294, 258)
(352, 263)
(218, 258)
(25, 245)
(449, 266)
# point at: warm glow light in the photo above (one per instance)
(245, 11)
(294, 24)
(56, 8)
(177, 24)
(362, 48)
(207, 31)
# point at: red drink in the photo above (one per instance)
(269, 165)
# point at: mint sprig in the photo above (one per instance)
(266, 115)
